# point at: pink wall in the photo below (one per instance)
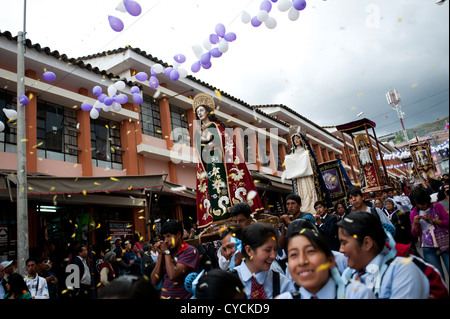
(58, 168)
(187, 175)
(8, 161)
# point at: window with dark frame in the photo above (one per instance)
(150, 117)
(56, 132)
(180, 125)
(105, 144)
(8, 138)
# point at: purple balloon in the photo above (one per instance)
(230, 36)
(137, 98)
(216, 53)
(266, 5)
(274, 1)
(167, 71)
(132, 7)
(220, 30)
(49, 76)
(174, 75)
(86, 107)
(205, 58)
(299, 4)
(134, 89)
(102, 97)
(180, 58)
(196, 66)
(153, 82)
(115, 23)
(121, 98)
(108, 101)
(23, 99)
(142, 76)
(207, 66)
(97, 90)
(214, 38)
(255, 22)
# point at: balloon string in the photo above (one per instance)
(240, 13)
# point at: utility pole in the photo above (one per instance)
(22, 189)
(393, 98)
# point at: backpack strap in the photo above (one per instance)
(275, 283)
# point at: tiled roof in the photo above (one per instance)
(202, 83)
(300, 116)
(57, 55)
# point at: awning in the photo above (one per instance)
(180, 190)
(356, 126)
(271, 182)
(41, 185)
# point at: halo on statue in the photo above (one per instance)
(203, 99)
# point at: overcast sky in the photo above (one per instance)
(337, 60)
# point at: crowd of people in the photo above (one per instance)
(392, 247)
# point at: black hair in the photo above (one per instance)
(297, 225)
(172, 227)
(316, 240)
(219, 284)
(419, 195)
(234, 230)
(210, 113)
(355, 191)
(256, 234)
(294, 197)
(320, 202)
(341, 203)
(361, 224)
(17, 285)
(31, 259)
(241, 208)
(130, 287)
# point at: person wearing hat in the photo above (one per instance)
(223, 178)
(8, 267)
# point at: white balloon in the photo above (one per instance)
(270, 23)
(121, 7)
(293, 14)
(198, 50)
(246, 17)
(112, 90)
(183, 73)
(106, 108)
(207, 44)
(10, 114)
(120, 85)
(284, 5)
(158, 68)
(97, 104)
(2, 126)
(94, 113)
(176, 65)
(223, 45)
(116, 106)
(262, 15)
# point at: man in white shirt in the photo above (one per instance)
(36, 285)
(357, 199)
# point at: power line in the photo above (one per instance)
(409, 104)
(408, 117)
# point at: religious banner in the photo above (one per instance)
(335, 178)
(422, 158)
(370, 174)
